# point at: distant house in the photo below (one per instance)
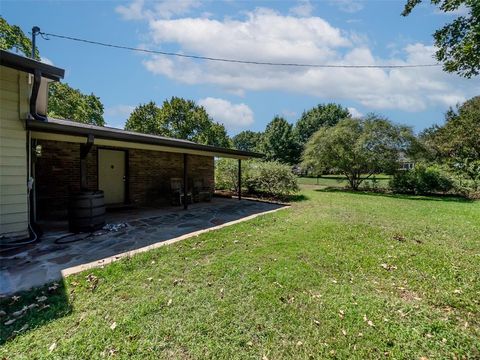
(43, 160)
(405, 162)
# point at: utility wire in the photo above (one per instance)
(251, 62)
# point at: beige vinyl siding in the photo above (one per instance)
(13, 155)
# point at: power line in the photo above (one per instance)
(250, 62)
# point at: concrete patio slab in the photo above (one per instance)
(56, 256)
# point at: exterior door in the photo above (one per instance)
(111, 175)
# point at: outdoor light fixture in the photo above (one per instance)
(38, 150)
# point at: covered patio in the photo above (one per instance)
(132, 231)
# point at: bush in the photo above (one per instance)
(271, 178)
(466, 187)
(421, 180)
(260, 177)
(226, 175)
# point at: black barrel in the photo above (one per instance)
(86, 211)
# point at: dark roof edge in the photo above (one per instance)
(25, 64)
(104, 133)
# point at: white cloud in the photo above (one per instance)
(233, 116)
(355, 113)
(133, 11)
(303, 9)
(349, 6)
(266, 35)
(166, 9)
(46, 60)
(289, 114)
(462, 10)
(116, 116)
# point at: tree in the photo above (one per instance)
(457, 143)
(178, 118)
(458, 42)
(321, 115)
(358, 148)
(12, 37)
(279, 142)
(69, 103)
(63, 101)
(247, 140)
(145, 118)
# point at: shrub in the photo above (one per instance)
(226, 174)
(466, 186)
(421, 180)
(261, 177)
(271, 178)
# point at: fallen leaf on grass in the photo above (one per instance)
(316, 322)
(9, 322)
(457, 291)
(93, 280)
(22, 329)
(344, 332)
(370, 323)
(341, 313)
(388, 267)
(150, 279)
(399, 237)
(20, 312)
(113, 326)
(169, 302)
(53, 287)
(52, 347)
(299, 343)
(177, 282)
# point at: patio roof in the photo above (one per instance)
(129, 138)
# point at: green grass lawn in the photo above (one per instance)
(339, 181)
(338, 275)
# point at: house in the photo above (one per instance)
(405, 163)
(43, 161)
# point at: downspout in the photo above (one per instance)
(37, 79)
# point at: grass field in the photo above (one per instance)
(338, 275)
(339, 181)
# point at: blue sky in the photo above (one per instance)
(246, 96)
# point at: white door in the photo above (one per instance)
(111, 175)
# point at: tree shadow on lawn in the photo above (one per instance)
(451, 198)
(32, 308)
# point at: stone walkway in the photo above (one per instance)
(51, 258)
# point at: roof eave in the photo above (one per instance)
(51, 127)
(28, 65)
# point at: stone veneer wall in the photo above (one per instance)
(149, 172)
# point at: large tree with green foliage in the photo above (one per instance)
(178, 118)
(279, 142)
(247, 140)
(457, 143)
(321, 115)
(458, 42)
(68, 103)
(12, 37)
(63, 101)
(358, 148)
